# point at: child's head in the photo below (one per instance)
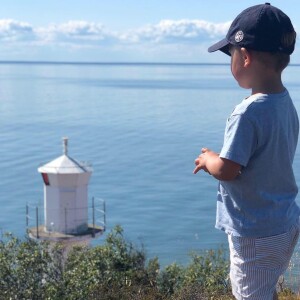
(265, 31)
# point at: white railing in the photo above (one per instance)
(96, 217)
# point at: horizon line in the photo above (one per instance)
(116, 63)
(105, 63)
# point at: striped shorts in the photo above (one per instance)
(257, 263)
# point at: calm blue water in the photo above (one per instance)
(141, 127)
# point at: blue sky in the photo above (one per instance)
(121, 31)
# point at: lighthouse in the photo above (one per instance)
(66, 205)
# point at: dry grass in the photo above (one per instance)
(289, 284)
(288, 297)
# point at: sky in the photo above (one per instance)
(169, 31)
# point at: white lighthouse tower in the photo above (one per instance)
(66, 213)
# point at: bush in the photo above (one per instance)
(115, 270)
(28, 270)
(205, 275)
(117, 265)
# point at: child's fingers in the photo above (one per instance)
(197, 169)
(203, 150)
(198, 166)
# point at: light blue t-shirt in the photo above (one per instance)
(261, 135)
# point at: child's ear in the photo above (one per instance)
(246, 56)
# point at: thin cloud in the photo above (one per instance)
(73, 32)
(170, 31)
(11, 30)
(90, 33)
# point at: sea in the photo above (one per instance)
(140, 126)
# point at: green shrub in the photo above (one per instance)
(28, 270)
(206, 274)
(116, 265)
(209, 270)
(116, 270)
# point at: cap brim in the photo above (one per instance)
(222, 45)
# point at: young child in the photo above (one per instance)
(257, 189)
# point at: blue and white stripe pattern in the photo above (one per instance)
(257, 263)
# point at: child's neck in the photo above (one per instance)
(271, 84)
(268, 90)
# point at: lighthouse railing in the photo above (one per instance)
(98, 213)
(35, 218)
(70, 220)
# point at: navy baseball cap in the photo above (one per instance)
(261, 27)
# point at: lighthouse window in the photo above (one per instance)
(46, 178)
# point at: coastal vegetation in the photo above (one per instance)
(116, 270)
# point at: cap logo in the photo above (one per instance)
(239, 36)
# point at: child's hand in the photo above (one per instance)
(220, 168)
(200, 161)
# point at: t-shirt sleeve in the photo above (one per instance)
(239, 140)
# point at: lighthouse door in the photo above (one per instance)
(68, 211)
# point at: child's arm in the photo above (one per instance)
(220, 168)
